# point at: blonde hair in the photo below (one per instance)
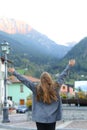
(46, 90)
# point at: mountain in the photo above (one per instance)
(11, 26)
(41, 43)
(79, 71)
(71, 44)
(79, 53)
(26, 41)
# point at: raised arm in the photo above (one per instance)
(24, 80)
(63, 75)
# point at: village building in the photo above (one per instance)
(18, 92)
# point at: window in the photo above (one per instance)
(9, 98)
(64, 87)
(21, 88)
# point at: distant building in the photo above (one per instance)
(2, 71)
(2, 74)
(81, 86)
(67, 88)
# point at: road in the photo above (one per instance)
(78, 121)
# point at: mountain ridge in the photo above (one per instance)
(12, 26)
(24, 34)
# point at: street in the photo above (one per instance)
(74, 118)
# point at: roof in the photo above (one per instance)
(70, 85)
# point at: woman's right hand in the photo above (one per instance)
(11, 70)
(72, 62)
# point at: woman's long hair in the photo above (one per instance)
(46, 90)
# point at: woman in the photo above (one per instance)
(46, 108)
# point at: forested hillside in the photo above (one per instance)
(32, 54)
(79, 53)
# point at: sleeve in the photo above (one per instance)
(63, 75)
(25, 81)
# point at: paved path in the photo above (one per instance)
(21, 122)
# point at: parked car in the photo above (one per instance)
(21, 109)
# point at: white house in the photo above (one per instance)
(2, 71)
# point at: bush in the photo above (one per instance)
(29, 102)
(63, 95)
(81, 95)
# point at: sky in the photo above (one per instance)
(63, 21)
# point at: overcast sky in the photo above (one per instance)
(61, 20)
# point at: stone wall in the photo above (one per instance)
(74, 113)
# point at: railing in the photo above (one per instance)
(81, 102)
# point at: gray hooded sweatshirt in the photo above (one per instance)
(43, 112)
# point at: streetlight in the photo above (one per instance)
(5, 49)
